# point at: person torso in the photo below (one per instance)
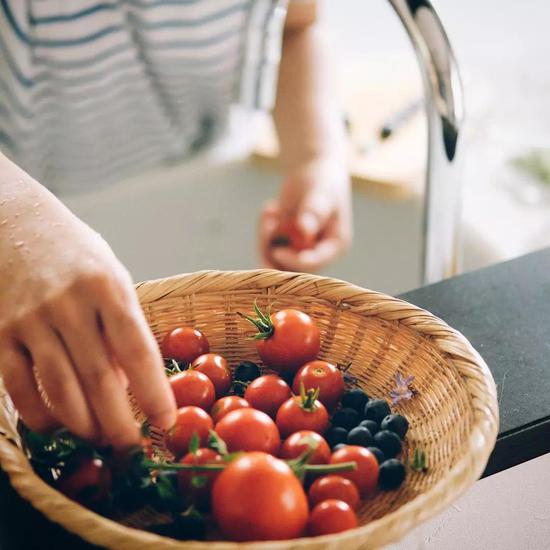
(92, 91)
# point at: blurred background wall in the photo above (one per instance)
(202, 214)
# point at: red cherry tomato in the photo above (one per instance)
(267, 393)
(294, 416)
(184, 344)
(86, 480)
(227, 404)
(191, 387)
(189, 420)
(216, 368)
(249, 430)
(200, 495)
(298, 239)
(366, 475)
(322, 375)
(301, 441)
(258, 497)
(295, 340)
(147, 446)
(331, 516)
(334, 487)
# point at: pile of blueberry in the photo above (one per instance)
(369, 423)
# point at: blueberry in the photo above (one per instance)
(377, 410)
(395, 423)
(391, 474)
(246, 371)
(239, 388)
(377, 453)
(335, 435)
(360, 436)
(355, 399)
(339, 446)
(371, 426)
(346, 418)
(388, 442)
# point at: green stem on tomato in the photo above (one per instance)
(262, 322)
(317, 468)
(178, 466)
(330, 468)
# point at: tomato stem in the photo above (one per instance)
(308, 398)
(329, 468)
(317, 468)
(262, 322)
(172, 466)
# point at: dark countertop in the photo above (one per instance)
(504, 310)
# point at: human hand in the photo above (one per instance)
(72, 333)
(315, 203)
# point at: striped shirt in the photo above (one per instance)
(91, 91)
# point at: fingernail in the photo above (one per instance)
(309, 223)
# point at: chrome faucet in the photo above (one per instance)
(444, 111)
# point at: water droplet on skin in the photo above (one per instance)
(3, 222)
(4, 201)
(36, 205)
(19, 244)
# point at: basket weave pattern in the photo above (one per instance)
(453, 414)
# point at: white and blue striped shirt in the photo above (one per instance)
(91, 91)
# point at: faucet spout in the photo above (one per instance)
(445, 112)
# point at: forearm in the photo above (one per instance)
(29, 215)
(19, 192)
(308, 122)
(23, 201)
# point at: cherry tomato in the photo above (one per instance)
(297, 239)
(227, 404)
(191, 387)
(331, 516)
(216, 368)
(322, 375)
(258, 497)
(184, 344)
(189, 420)
(147, 446)
(268, 393)
(366, 475)
(301, 441)
(200, 495)
(334, 487)
(295, 340)
(249, 430)
(86, 480)
(295, 415)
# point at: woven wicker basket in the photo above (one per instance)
(453, 414)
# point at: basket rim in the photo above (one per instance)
(474, 372)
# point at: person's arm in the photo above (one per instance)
(69, 315)
(315, 194)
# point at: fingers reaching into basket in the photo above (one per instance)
(72, 334)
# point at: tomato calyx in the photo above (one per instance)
(216, 443)
(262, 322)
(308, 399)
(172, 367)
